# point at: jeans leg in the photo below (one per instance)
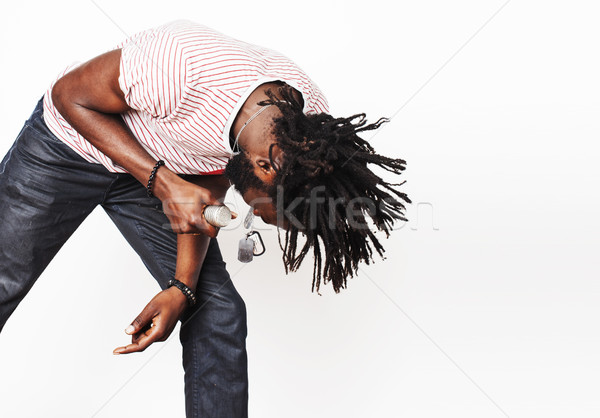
(46, 191)
(213, 335)
(218, 351)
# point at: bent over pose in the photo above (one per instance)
(154, 131)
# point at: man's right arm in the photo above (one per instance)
(90, 99)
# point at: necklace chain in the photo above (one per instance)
(236, 147)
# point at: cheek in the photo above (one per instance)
(267, 177)
(256, 199)
(270, 216)
(265, 211)
(249, 198)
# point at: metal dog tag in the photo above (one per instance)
(246, 250)
(250, 246)
(249, 219)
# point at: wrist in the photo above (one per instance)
(164, 182)
(179, 298)
(185, 290)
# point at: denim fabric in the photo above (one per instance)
(47, 190)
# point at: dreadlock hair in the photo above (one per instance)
(324, 178)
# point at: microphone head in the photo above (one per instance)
(217, 215)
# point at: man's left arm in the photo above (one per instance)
(158, 319)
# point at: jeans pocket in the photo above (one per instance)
(39, 126)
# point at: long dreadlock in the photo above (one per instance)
(325, 177)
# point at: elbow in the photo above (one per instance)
(64, 95)
(56, 94)
(59, 95)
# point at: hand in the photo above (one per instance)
(184, 206)
(156, 321)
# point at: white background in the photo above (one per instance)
(487, 304)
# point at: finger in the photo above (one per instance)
(177, 227)
(211, 231)
(142, 320)
(141, 344)
(175, 223)
(234, 215)
(135, 338)
(211, 200)
(202, 226)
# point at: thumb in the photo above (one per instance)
(143, 319)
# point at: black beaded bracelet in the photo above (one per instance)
(151, 179)
(191, 297)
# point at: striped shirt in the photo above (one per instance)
(185, 83)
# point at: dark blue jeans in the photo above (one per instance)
(47, 190)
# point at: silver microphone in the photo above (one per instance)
(217, 215)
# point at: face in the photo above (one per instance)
(263, 206)
(252, 171)
(242, 174)
(255, 184)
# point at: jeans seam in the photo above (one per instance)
(8, 156)
(7, 159)
(150, 248)
(107, 191)
(195, 401)
(39, 132)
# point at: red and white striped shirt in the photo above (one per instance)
(185, 83)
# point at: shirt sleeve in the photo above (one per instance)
(152, 72)
(316, 102)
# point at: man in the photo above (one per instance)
(154, 131)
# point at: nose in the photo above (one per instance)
(256, 212)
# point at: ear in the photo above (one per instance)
(276, 156)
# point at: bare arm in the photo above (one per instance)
(158, 318)
(90, 99)
(191, 249)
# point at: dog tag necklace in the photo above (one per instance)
(252, 244)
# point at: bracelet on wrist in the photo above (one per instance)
(152, 176)
(187, 292)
